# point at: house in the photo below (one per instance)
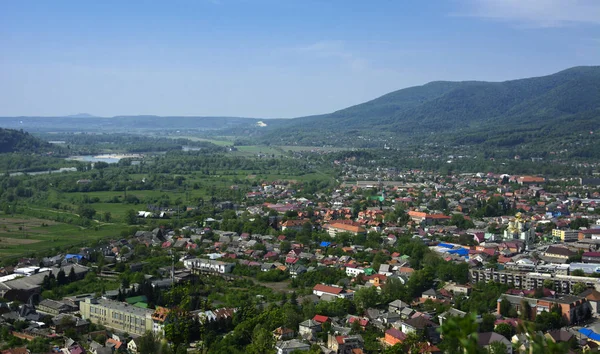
(345, 344)
(393, 336)
(338, 227)
(134, 345)
(430, 294)
(53, 307)
(397, 306)
(452, 312)
(290, 346)
(464, 289)
(295, 225)
(332, 291)
(590, 257)
(282, 333)
(415, 324)
(309, 329)
(485, 339)
(559, 335)
(321, 319)
(593, 298)
(558, 252)
(296, 269)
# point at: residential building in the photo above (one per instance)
(290, 346)
(393, 336)
(590, 257)
(200, 264)
(118, 316)
(53, 307)
(566, 235)
(484, 340)
(332, 291)
(558, 252)
(338, 227)
(563, 284)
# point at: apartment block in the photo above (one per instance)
(209, 265)
(117, 315)
(563, 284)
(566, 235)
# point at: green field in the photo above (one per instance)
(22, 234)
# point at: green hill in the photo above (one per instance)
(471, 112)
(19, 141)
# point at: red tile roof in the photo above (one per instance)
(320, 318)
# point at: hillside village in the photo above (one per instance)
(388, 262)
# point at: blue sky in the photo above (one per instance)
(272, 58)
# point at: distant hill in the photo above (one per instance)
(139, 124)
(20, 141)
(81, 115)
(470, 112)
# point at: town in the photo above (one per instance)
(386, 261)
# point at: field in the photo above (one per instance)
(21, 235)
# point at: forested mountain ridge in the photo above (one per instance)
(19, 141)
(469, 112)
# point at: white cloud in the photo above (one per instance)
(534, 13)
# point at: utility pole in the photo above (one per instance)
(172, 268)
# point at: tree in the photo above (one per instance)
(578, 273)
(505, 329)
(549, 284)
(61, 278)
(131, 217)
(578, 288)
(72, 275)
(487, 323)
(86, 211)
(366, 298)
(38, 345)
(497, 348)
(505, 307)
(262, 341)
(148, 343)
(460, 334)
(177, 327)
(525, 310)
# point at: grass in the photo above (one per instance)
(22, 234)
(214, 141)
(310, 148)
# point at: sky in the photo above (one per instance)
(272, 58)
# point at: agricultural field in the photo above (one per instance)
(22, 234)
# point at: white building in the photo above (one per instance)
(208, 265)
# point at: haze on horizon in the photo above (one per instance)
(272, 58)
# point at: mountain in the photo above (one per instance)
(139, 124)
(20, 141)
(81, 115)
(470, 112)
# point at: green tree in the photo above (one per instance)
(578, 273)
(86, 211)
(505, 307)
(366, 297)
(149, 343)
(487, 323)
(505, 329)
(61, 278)
(131, 217)
(262, 341)
(497, 348)
(578, 288)
(177, 327)
(460, 334)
